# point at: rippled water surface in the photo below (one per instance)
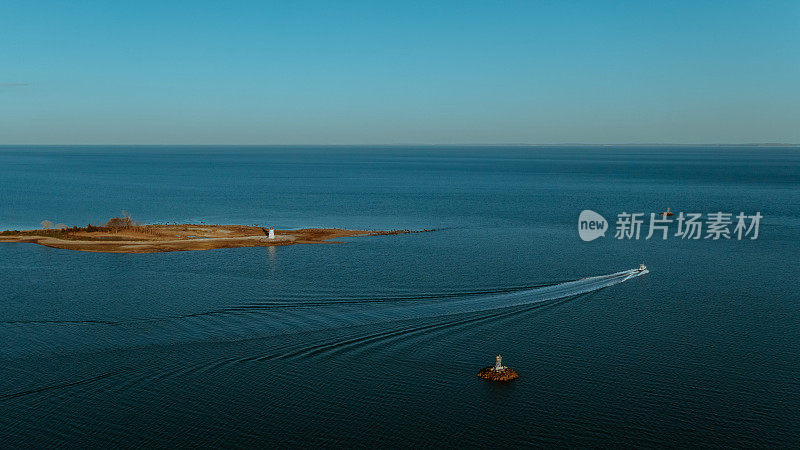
(377, 340)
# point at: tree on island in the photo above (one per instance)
(46, 224)
(121, 222)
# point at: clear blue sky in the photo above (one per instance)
(296, 72)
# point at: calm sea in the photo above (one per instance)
(377, 341)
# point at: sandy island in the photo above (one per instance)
(178, 237)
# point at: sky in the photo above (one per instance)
(406, 72)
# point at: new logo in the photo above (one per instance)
(591, 225)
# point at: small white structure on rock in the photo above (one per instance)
(498, 372)
(271, 233)
(498, 364)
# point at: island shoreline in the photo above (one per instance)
(181, 237)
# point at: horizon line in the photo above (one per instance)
(508, 144)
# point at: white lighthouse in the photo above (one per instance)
(498, 364)
(271, 233)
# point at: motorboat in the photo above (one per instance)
(667, 213)
(641, 268)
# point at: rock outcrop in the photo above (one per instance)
(505, 374)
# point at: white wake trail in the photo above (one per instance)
(67, 337)
(495, 301)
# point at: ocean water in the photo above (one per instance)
(377, 341)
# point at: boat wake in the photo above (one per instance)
(258, 320)
(299, 332)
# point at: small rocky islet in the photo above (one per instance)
(498, 372)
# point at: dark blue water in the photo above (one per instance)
(377, 341)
